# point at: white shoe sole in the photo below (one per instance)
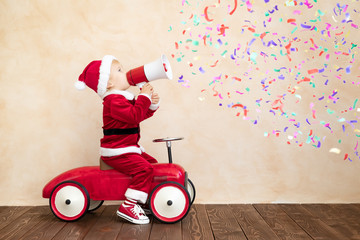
(133, 220)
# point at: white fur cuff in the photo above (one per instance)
(137, 195)
(154, 107)
(146, 95)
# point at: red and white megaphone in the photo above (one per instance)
(159, 69)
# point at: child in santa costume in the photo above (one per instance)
(122, 115)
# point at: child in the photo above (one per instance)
(122, 115)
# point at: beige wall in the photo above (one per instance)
(47, 126)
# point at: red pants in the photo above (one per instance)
(140, 168)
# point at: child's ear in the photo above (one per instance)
(109, 85)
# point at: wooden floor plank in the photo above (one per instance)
(131, 231)
(107, 226)
(316, 228)
(252, 223)
(80, 228)
(47, 228)
(344, 218)
(283, 226)
(258, 221)
(165, 231)
(356, 205)
(24, 223)
(223, 223)
(196, 225)
(333, 211)
(9, 214)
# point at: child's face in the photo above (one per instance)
(117, 78)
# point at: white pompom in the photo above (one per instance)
(80, 85)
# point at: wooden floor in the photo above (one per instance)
(257, 221)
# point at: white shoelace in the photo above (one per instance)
(138, 211)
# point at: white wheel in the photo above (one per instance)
(94, 204)
(169, 202)
(69, 201)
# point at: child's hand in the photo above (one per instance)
(147, 89)
(155, 98)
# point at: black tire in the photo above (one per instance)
(94, 205)
(191, 189)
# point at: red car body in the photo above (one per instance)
(111, 184)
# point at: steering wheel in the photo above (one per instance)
(168, 139)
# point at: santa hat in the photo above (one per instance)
(96, 75)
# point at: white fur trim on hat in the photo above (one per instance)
(104, 74)
(80, 85)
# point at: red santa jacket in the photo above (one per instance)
(122, 115)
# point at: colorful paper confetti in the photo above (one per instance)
(294, 63)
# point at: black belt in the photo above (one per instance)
(120, 131)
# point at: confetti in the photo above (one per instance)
(249, 6)
(206, 13)
(235, 6)
(355, 102)
(272, 62)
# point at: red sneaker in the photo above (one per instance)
(146, 208)
(133, 214)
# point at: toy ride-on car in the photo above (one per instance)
(75, 192)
